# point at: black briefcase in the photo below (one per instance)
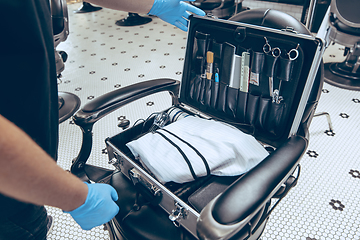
(254, 78)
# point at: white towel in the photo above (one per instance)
(227, 150)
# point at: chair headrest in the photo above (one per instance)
(270, 18)
(347, 11)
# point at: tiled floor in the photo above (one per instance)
(104, 57)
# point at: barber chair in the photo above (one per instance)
(133, 19)
(219, 8)
(87, 7)
(146, 220)
(68, 103)
(344, 22)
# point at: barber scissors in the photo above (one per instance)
(275, 52)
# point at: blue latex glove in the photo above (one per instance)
(175, 12)
(99, 207)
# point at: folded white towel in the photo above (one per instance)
(227, 150)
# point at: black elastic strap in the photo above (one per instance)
(193, 148)
(182, 154)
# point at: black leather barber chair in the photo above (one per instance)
(344, 22)
(146, 220)
(87, 7)
(223, 9)
(68, 102)
(133, 19)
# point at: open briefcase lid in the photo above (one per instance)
(297, 59)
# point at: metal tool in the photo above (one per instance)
(276, 96)
(275, 52)
(272, 55)
(159, 122)
(294, 53)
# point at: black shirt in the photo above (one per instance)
(28, 84)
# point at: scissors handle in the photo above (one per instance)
(266, 47)
(293, 53)
(276, 52)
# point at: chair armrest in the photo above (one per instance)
(230, 211)
(109, 102)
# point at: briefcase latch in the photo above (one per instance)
(148, 190)
(177, 214)
(289, 29)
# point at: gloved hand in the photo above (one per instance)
(175, 12)
(99, 207)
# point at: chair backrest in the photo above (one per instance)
(213, 4)
(345, 22)
(347, 12)
(280, 20)
(60, 20)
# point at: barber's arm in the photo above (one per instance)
(28, 174)
(175, 12)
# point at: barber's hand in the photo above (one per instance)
(175, 12)
(99, 207)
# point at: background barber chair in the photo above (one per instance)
(152, 222)
(344, 22)
(220, 8)
(133, 19)
(87, 7)
(68, 102)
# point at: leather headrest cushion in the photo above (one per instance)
(347, 11)
(270, 18)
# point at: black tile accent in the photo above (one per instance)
(312, 154)
(355, 173)
(104, 151)
(325, 91)
(330, 133)
(344, 115)
(337, 205)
